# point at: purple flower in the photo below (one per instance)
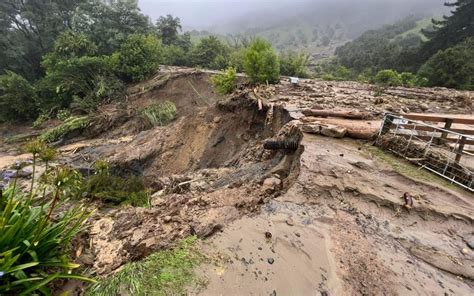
(6, 179)
(2, 186)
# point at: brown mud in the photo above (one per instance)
(333, 208)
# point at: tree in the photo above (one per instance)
(138, 57)
(294, 64)
(75, 73)
(108, 24)
(211, 53)
(451, 30)
(453, 67)
(28, 30)
(261, 63)
(226, 82)
(17, 98)
(168, 28)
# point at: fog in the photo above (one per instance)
(227, 16)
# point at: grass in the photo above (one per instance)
(159, 114)
(404, 167)
(167, 272)
(70, 125)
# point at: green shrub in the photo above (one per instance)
(388, 78)
(114, 189)
(226, 82)
(138, 57)
(17, 98)
(175, 56)
(40, 120)
(210, 53)
(261, 63)
(453, 67)
(294, 64)
(408, 79)
(72, 124)
(63, 114)
(34, 248)
(159, 114)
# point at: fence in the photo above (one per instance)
(443, 151)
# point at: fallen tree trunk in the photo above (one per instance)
(339, 114)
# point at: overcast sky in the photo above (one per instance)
(202, 14)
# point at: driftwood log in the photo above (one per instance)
(339, 114)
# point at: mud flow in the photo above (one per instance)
(205, 169)
(285, 202)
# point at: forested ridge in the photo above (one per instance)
(444, 58)
(59, 54)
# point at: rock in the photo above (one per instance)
(470, 244)
(311, 129)
(465, 251)
(333, 131)
(290, 222)
(271, 260)
(271, 184)
(268, 235)
(423, 107)
(167, 219)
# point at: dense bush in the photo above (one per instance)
(453, 67)
(388, 78)
(294, 64)
(17, 98)
(74, 74)
(226, 82)
(261, 63)
(138, 57)
(210, 53)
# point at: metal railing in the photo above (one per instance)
(439, 150)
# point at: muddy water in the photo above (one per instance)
(295, 261)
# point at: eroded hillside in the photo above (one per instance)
(281, 210)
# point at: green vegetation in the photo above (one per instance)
(442, 55)
(34, 248)
(72, 124)
(226, 82)
(261, 63)
(164, 273)
(104, 186)
(294, 64)
(17, 98)
(388, 78)
(405, 168)
(453, 67)
(138, 57)
(159, 114)
(210, 53)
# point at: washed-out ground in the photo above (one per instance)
(324, 219)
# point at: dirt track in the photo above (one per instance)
(333, 207)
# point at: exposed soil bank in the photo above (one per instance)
(341, 230)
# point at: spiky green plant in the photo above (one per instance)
(70, 125)
(34, 249)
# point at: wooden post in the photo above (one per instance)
(460, 150)
(447, 126)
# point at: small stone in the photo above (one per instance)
(465, 251)
(167, 219)
(290, 222)
(271, 260)
(268, 235)
(271, 184)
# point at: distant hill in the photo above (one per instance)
(319, 28)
